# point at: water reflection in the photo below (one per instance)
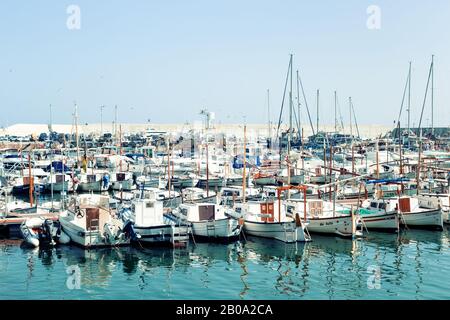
(327, 267)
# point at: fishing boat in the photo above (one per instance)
(122, 181)
(147, 214)
(436, 200)
(264, 179)
(148, 182)
(183, 181)
(274, 219)
(413, 215)
(211, 182)
(268, 219)
(229, 195)
(94, 182)
(210, 221)
(170, 198)
(22, 185)
(198, 195)
(375, 215)
(327, 217)
(89, 222)
(60, 183)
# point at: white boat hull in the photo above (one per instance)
(427, 219)
(284, 231)
(162, 234)
(222, 228)
(126, 185)
(341, 226)
(88, 238)
(381, 221)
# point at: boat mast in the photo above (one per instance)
(207, 168)
(418, 162)
(30, 180)
(298, 108)
(432, 94)
(245, 163)
(115, 124)
(350, 107)
(409, 100)
(269, 129)
(290, 107)
(76, 134)
(290, 129)
(317, 125)
(335, 111)
(51, 158)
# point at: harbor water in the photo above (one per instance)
(412, 265)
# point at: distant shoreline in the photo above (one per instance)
(366, 131)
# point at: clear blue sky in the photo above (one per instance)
(165, 60)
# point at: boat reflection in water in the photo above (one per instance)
(257, 268)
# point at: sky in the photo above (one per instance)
(164, 61)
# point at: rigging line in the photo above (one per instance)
(404, 95)
(306, 104)
(354, 116)
(284, 96)
(425, 97)
(298, 107)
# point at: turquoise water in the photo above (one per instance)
(413, 265)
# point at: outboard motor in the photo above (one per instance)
(130, 232)
(48, 231)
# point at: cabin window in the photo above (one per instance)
(373, 205)
(149, 205)
(382, 206)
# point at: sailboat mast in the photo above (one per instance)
(245, 163)
(409, 100)
(76, 134)
(290, 106)
(317, 125)
(350, 107)
(335, 111)
(432, 94)
(269, 129)
(298, 108)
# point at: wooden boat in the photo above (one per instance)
(89, 222)
(328, 218)
(197, 195)
(147, 213)
(436, 200)
(273, 219)
(412, 215)
(375, 215)
(210, 221)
